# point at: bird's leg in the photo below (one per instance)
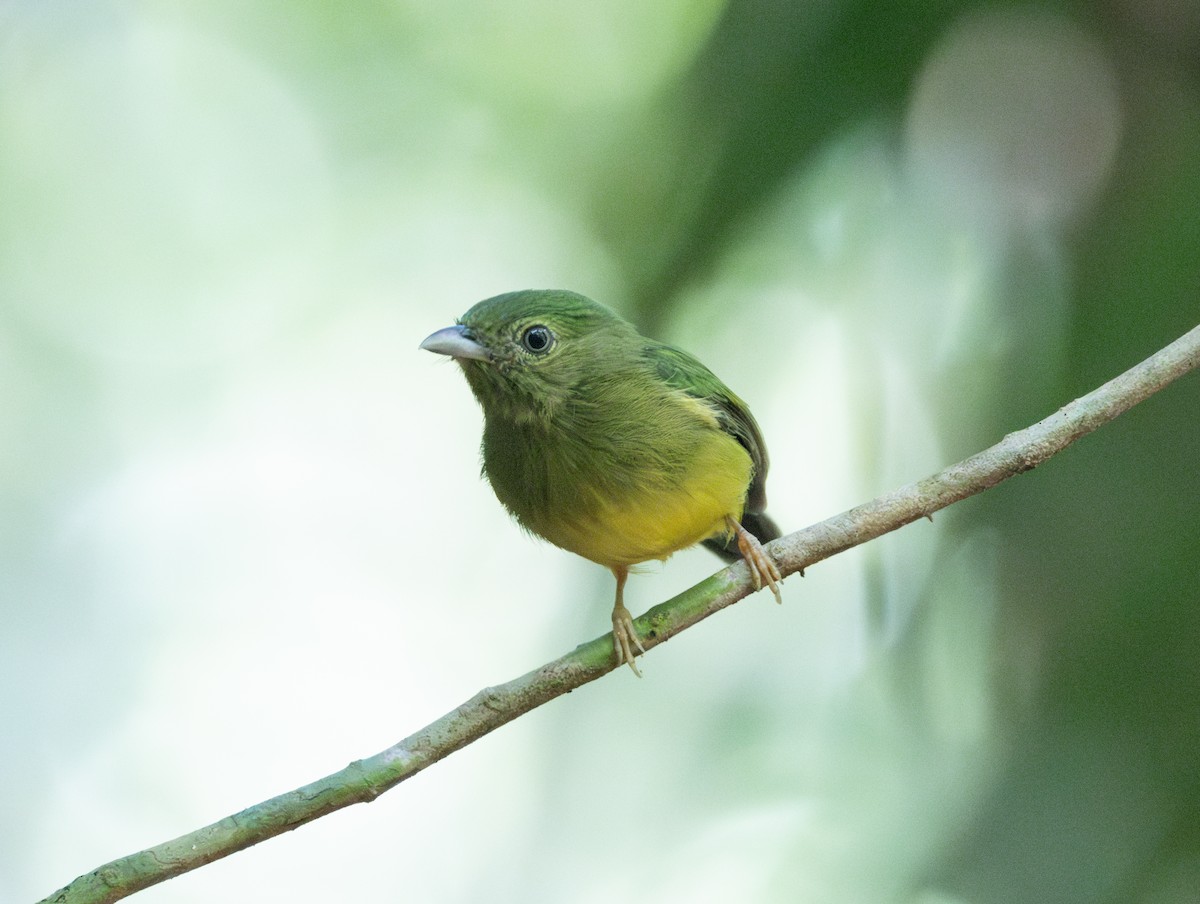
(762, 567)
(624, 635)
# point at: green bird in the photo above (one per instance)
(608, 444)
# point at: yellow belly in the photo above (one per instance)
(652, 522)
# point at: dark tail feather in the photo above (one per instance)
(758, 523)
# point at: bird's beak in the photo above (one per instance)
(455, 342)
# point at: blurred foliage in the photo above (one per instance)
(900, 230)
(775, 80)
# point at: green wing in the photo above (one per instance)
(679, 370)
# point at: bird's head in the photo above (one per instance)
(525, 353)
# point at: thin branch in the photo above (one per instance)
(364, 780)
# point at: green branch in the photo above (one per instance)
(364, 780)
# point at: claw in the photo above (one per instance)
(762, 566)
(625, 637)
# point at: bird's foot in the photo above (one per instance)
(625, 637)
(762, 567)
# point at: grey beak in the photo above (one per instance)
(453, 341)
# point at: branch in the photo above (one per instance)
(364, 780)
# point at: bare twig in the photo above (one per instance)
(364, 780)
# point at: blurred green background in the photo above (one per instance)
(243, 540)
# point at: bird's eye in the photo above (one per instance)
(537, 339)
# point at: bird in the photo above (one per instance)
(608, 444)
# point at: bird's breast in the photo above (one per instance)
(619, 490)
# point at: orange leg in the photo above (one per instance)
(624, 634)
(762, 568)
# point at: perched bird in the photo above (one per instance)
(608, 444)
